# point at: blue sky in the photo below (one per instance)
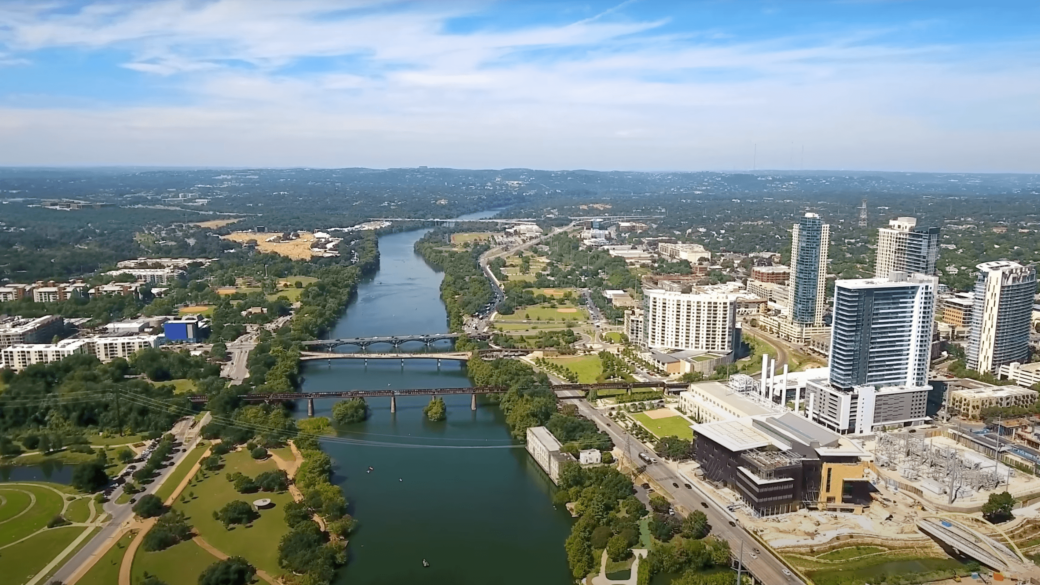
(643, 85)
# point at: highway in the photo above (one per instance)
(123, 513)
(766, 568)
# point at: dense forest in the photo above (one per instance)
(465, 288)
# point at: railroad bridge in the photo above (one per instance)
(394, 340)
(458, 356)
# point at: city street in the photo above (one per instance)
(123, 513)
(766, 568)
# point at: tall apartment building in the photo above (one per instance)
(20, 330)
(882, 330)
(880, 347)
(150, 275)
(109, 348)
(703, 319)
(21, 356)
(1001, 316)
(904, 247)
(809, 242)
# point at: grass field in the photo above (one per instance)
(217, 223)
(290, 281)
(612, 337)
(180, 386)
(106, 570)
(291, 294)
(83, 543)
(907, 567)
(181, 564)
(99, 441)
(21, 562)
(78, 510)
(555, 292)
(13, 503)
(178, 474)
(666, 427)
(533, 326)
(588, 367)
(467, 237)
(196, 310)
(285, 453)
(298, 249)
(258, 543)
(545, 312)
(48, 505)
(850, 552)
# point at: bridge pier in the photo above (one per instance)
(438, 363)
(310, 407)
(472, 401)
(393, 404)
(402, 363)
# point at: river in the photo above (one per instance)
(479, 515)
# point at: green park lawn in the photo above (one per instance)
(292, 280)
(181, 564)
(21, 562)
(204, 310)
(13, 503)
(545, 312)
(106, 570)
(555, 292)
(588, 367)
(665, 427)
(532, 326)
(47, 578)
(180, 385)
(48, 505)
(175, 478)
(285, 453)
(291, 294)
(114, 440)
(78, 510)
(612, 337)
(257, 543)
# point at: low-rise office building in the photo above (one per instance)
(545, 450)
(970, 402)
(771, 274)
(713, 401)
(692, 253)
(187, 329)
(780, 463)
(590, 457)
(150, 275)
(865, 409)
(956, 309)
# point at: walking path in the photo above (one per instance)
(601, 579)
(221, 556)
(290, 470)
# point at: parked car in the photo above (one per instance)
(688, 486)
(645, 486)
(704, 505)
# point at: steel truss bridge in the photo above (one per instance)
(458, 356)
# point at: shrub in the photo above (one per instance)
(258, 453)
(245, 485)
(56, 521)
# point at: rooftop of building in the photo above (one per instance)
(543, 436)
(725, 394)
(897, 279)
(775, 268)
(1030, 367)
(63, 344)
(16, 324)
(993, 391)
(998, 265)
(734, 435)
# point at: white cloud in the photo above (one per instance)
(605, 92)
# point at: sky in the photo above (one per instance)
(947, 85)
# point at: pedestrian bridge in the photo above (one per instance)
(394, 340)
(965, 540)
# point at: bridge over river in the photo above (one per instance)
(394, 340)
(969, 542)
(563, 392)
(458, 356)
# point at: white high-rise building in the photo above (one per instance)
(904, 247)
(702, 319)
(808, 282)
(1001, 317)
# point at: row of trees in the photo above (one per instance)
(465, 288)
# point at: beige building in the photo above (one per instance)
(703, 319)
(109, 348)
(709, 402)
(771, 274)
(970, 402)
(545, 450)
(15, 292)
(692, 253)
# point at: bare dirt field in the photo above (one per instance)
(217, 223)
(298, 249)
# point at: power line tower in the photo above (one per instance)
(863, 214)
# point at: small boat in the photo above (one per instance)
(371, 469)
(424, 563)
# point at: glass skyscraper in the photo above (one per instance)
(809, 242)
(882, 331)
